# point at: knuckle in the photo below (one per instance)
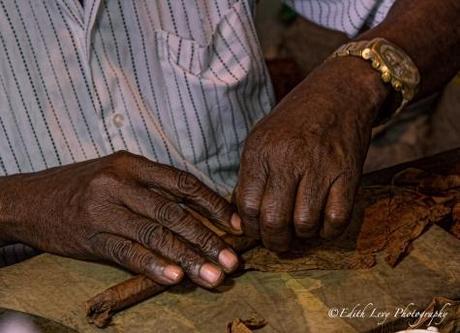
(197, 234)
(218, 207)
(120, 250)
(166, 242)
(304, 225)
(209, 243)
(124, 160)
(249, 208)
(161, 239)
(169, 245)
(336, 219)
(104, 178)
(150, 232)
(301, 219)
(169, 212)
(122, 156)
(187, 183)
(273, 223)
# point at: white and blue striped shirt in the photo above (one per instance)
(181, 82)
(349, 16)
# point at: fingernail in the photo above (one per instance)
(210, 273)
(173, 273)
(236, 222)
(228, 259)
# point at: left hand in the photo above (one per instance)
(301, 165)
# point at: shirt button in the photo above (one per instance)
(118, 120)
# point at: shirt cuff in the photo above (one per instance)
(348, 16)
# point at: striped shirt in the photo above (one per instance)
(181, 82)
(349, 16)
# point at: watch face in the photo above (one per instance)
(400, 64)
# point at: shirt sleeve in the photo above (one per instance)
(349, 16)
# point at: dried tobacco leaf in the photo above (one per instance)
(426, 182)
(409, 177)
(253, 322)
(455, 229)
(394, 221)
(437, 183)
(302, 260)
(237, 326)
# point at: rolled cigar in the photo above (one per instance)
(101, 308)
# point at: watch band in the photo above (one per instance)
(394, 65)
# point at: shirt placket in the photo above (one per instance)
(110, 122)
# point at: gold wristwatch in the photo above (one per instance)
(394, 65)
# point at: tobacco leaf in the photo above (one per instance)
(395, 219)
(253, 322)
(426, 182)
(455, 228)
(302, 259)
(440, 183)
(237, 326)
(100, 308)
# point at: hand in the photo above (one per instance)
(123, 209)
(301, 165)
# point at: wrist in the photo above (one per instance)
(363, 84)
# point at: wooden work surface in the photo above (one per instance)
(56, 288)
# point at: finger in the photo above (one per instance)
(276, 213)
(174, 219)
(248, 197)
(177, 220)
(136, 258)
(339, 207)
(310, 201)
(192, 230)
(188, 189)
(161, 240)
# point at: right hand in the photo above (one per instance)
(123, 209)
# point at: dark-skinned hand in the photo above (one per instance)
(301, 165)
(122, 209)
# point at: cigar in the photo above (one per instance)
(101, 308)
